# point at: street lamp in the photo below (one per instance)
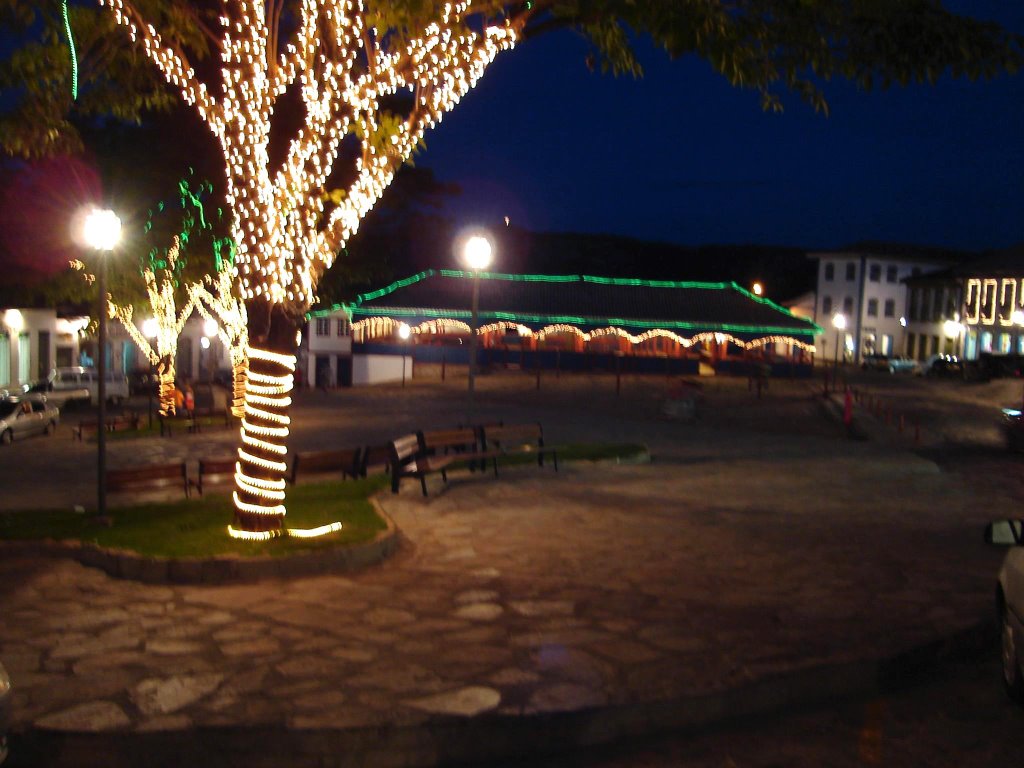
(404, 331)
(101, 232)
(477, 254)
(758, 289)
(839, 323)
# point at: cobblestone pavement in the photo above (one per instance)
(759, 542)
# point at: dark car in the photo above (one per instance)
(1012, 426)
(875, 362)
(143, 382)
(943, 367)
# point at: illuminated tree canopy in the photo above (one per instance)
(315, 105)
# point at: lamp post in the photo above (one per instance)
(101, 232)
(404, 331)
(477, 255)
(839, 323)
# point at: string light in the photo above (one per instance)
(981, 308)
(216, 301)
(168, 319)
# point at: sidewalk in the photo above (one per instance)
(739, 572)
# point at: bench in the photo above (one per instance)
(375, 458)
(345, 462)
(434, 451)
(149, 476)
(407, 461)
(519, 440)
(128, 420)
(213, 468)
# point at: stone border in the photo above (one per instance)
(124, 564)
(486, 738)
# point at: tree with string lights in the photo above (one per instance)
(359, 82)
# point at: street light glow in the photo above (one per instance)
(101, 230)
(210, 327)
(150, 327)
(758, 289)
(839, 321)
(477, 252)
(1017, 318)
(403, 331)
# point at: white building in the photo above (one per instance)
(325, 356)
(865, 284)
(33, 342)
(200, 352)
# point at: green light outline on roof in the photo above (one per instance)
(514, 317)
(354, 307)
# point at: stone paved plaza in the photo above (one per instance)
(759, 544)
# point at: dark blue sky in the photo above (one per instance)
(680, 156)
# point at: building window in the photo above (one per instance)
(851, 271)
(875, 273)
(911, 338)
(342, 326)
(1004, 343)
(1020, 351)
(872, 307)
(890, 274)
(915, 303)
(986, 341)
(886, 343)
(826, 306)
(890, 307)
(830, 271)
(323, 326)
(938, 300)
(24, 353)
(935, 345)
(5, 359)
(848, 305)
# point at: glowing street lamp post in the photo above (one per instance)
(404, 331)
(101, 232)
(477, 255)
(839, 323)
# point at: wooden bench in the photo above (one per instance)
(463, 444)
(149, 476)
(407, 461)
(344, 461)
(128, 420)
(519, 440)
(213, 468)
(375, 458)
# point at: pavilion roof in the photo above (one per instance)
(585, 302)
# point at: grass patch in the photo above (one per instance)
(198, 528)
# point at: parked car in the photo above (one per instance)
(875, 362)
(1012, 427)
(27, 415)
(75, 384)
(904, 365)
(1010, 602)
(143, 382)
(943, 367)
(5, 711)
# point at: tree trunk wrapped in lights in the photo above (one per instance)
(379, 73)
(216, 301)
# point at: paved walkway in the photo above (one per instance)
(611, 595)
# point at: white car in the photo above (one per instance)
(24, 416)
(1010, 602)
(78, 383)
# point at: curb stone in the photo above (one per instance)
(124, 564)
(478, 740)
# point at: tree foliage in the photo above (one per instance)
(771, 46)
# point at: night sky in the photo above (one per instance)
(682, 157)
